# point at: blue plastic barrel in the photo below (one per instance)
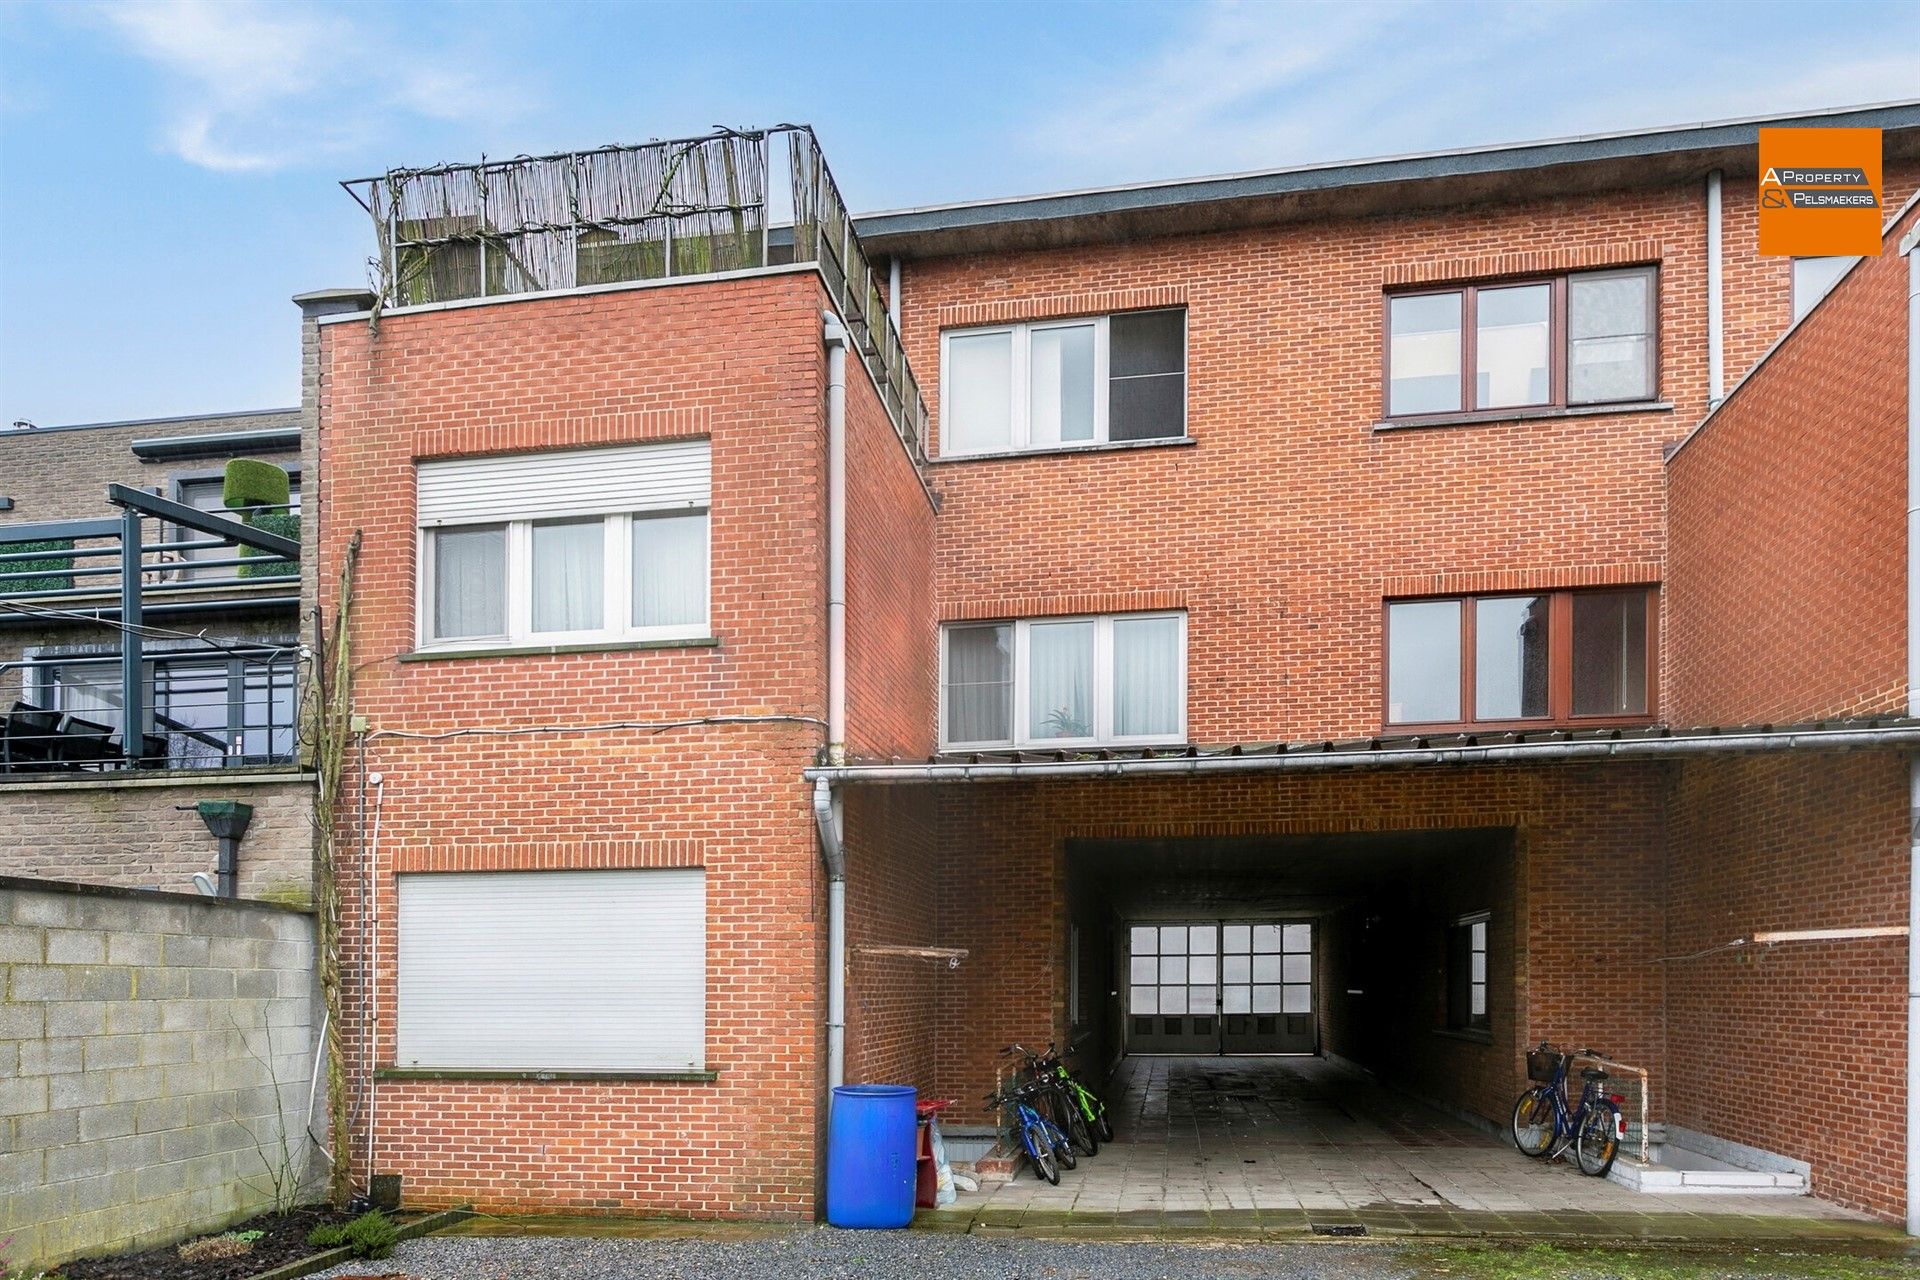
(870, 1153)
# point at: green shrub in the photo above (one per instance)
(287, 525)
(371, 1235)
(53, 567)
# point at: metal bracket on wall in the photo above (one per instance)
(952, 955)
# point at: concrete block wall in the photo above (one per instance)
(128, 830)
(155, 1048)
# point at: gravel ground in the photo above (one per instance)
(867, 1256)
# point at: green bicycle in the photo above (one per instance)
(1090, 1108)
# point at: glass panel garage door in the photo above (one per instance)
(1210, 987)
(1266, 988)
(1174, 993)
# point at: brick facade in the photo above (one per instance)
(1279, 524)
(1778, 531)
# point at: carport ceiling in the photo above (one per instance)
(1308, 873)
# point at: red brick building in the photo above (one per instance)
(1303, 612)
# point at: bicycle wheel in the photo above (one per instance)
(1040, 1151)
(1102, 1126)
(1078, 1130)
(1599, 1140)
(1062, 1147)
(1532, 1124)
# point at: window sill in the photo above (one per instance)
(485, 1073)
(1119, 446)
(541, 650)
(1482, 416)
(1469, 1037)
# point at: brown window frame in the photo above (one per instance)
(1558, 342)
(1460, 1016)
(1559, 663)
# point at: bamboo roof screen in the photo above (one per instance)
(660, 210)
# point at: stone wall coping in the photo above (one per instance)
(30, 884)
(161, 779)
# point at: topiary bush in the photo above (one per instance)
(251, 483)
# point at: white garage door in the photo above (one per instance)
(553, 970)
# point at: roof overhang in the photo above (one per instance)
(1568, 166)
(1546, 747)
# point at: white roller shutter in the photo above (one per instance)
(553, 970)
(574, 482)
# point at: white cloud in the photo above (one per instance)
(1255, 84)
(251, 85)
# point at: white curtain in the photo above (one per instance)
(1060, 698)
(980, 684)
(1146, 676)
(1060, 378)
(979, 381)
(670, 570)
(569, 575)
(470, 582)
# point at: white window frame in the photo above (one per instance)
(1020, 391)
(1103, 734)
(616, 595)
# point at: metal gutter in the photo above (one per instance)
(234, 414)
(217, 444)
(1467, 161)
(1320, 759)
(1910, 248)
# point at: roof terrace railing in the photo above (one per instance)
(683, 208)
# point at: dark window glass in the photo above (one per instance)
(1610, 653)
(1510, 657)
(1147, 379)
(1423, 662)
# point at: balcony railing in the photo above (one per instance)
(207, 708)
(136, 708)
(685, 208)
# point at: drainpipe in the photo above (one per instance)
(1910, 247)
(893, 295)
(826, 816)
(1716, 365)
(825, 811)
(836, 340)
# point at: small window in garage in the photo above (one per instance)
(553, 970)
(1467, 973)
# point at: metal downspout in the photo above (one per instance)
(1716, 362)
(1910, 247)
(826, 816)
(825, 812)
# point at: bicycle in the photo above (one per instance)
(1049, 1082)
(1047, 1149)
(1082, 1099)
(1544, 1125)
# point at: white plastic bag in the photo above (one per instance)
(943, 1192)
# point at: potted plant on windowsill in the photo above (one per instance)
(261, 493)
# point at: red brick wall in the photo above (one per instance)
(892, 1014)
(1787, 595)
(741, 363)
(1578, 966)
(892, 663)
(1799, 1048)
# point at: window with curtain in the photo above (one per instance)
(1060, 383)
(1587, 338)
(577, 547)
(1113, 678)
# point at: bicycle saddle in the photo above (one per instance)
(1593, 1073)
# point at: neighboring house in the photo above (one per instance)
(1278, 630)
(219, 661)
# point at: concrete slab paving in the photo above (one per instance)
(1298, 1146)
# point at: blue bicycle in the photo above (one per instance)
(1544, 1124)
(1048, 1149)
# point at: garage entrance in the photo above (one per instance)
(1221, 987)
